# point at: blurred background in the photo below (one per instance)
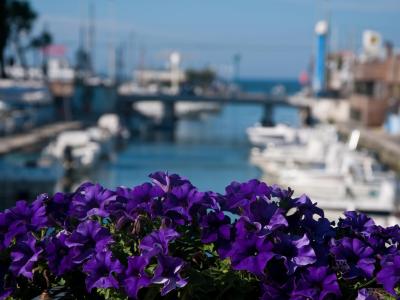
(302, 93)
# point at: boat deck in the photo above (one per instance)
(386, 146)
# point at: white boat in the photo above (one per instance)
(103, 138)
(317, 148)
(111, 123)
(282, 134)
(75, 149)
(314, 155)
(268, 136)
(60, 77)
(24, 104)
(359, 184)
(331, 173)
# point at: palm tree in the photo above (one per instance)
(40, 42)
(4, 34)
(20, 17)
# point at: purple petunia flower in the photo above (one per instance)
(24, 256)
(381, 240)
(268, 215)
(319, 230)
(130, 203)
(357, 222)
(117, 208)
(307, 207)
(277, 291)
(368, 294)
(25, 217)
(239, 195)
(249, 251)
(200, 203)
(167, 273)
(389, 276)
(57, 208)
(161, 179)
(284, 244)
(89, 237)
(4, 224)
(139, 199)
(178, 201)
(393, 233)
(317, 283)
(135, 276)
(294, 252)
(5, 292)
(216, 226)
(89, 200)
(60, 257)
(182, 201)
(356, 258)
(250, 255)
(102, 270)
(281, 194)
(165, 181)
(157, 242)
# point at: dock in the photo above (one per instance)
(35, 136)
(386, 147)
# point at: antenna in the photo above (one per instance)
(81, 28)
(328, 17)
(142, 57)
(112, 62)
(91, 32)
(131, 52)
(327, 11)
(236, 66)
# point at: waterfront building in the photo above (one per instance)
(376, 87)
(340, 73)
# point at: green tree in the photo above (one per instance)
(202, 78)
(4, 34)
(43, 40)
(40, 42)
(21, 17)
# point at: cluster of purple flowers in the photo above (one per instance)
(127, 242)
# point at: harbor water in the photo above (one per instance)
(212, 150)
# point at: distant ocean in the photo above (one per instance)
(212, 150)
(267, 85)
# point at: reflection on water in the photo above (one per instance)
(211, 151)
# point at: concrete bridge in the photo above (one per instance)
(267, 102)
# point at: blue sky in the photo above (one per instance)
(274, 37)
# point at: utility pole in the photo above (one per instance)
(130, 56)
(91, 37)
(236, 66)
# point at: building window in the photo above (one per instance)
(355, 114)
(364, 88)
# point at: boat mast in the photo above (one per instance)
(91, 36)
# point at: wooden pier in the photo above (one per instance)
(386, 147)
(35, 136)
